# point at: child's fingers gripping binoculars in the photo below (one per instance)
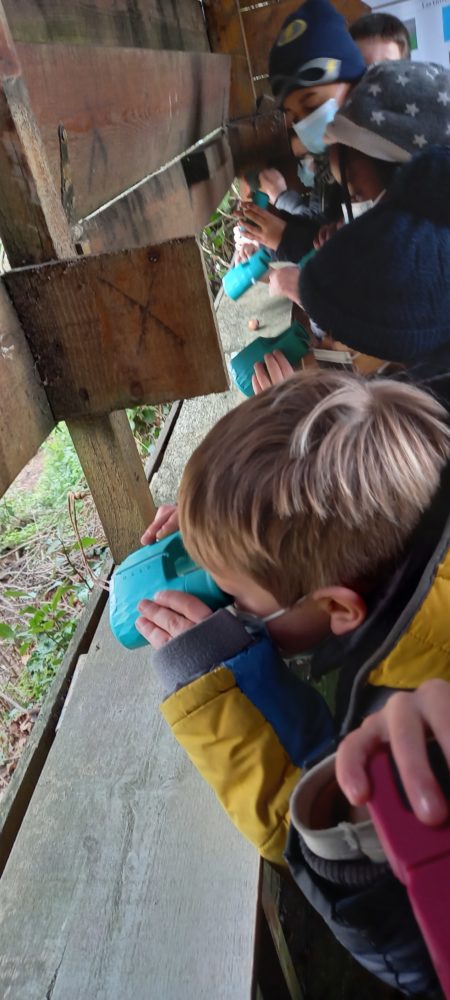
(240, 278)
(260, 198)
(165, 565)
(293, 342)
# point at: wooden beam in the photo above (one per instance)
(118, 330)
(33, 228)
(270, 903)
(126, 112)
(226, 34)
(177, 201)
(147, 24)
(261, 26)
(256, 141)
(25, 415)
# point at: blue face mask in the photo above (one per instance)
(311, 130)
(305, 174)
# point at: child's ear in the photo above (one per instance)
(345, 608)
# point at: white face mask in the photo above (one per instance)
(361, 207)
(256, 625)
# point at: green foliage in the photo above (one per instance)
(34, 519)
(146, 422)
(217, 240)
(24, 515)
(42, 634)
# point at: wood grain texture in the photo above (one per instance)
(34, 228)
(177, 201)
(270, 903)
(112, 466)
(261, 27)
(126, 879)
(126, 112)
(119, 330)
(226, 34)
(25, 415)
(153, 24)
(255, 141)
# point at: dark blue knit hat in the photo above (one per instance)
(381, 285)
(313, 47)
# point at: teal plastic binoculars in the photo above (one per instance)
(240, 278)
(162, 566)
(293, 342)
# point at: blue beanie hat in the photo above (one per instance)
(313, 47)
(381, 285)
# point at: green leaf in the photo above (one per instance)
(85, 543)
(6, 632)
(59, 592)
(11, 592)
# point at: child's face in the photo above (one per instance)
(300, 628)
(362, 177)
(302, 102)
(378, 49)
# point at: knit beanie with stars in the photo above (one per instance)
(313, 47)
(381, 285)
(397, 109)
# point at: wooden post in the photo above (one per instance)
(34, 229)
(226, 34)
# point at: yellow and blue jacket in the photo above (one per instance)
(249, 724)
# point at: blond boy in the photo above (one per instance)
(321, 506)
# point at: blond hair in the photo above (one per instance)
(318, 481)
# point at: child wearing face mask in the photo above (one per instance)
(360, 287)
(313, 65)
(321, 506)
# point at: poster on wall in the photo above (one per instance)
(428, 24)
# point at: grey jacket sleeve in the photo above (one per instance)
(199, 650)
(292, 202)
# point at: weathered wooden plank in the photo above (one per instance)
(126, 112)
(25, 415)
(113, 469)
(262, 22)
(152, 24)
(33, 227)
(116, 330)
(257, 141)
(261, 26)
(17, 796)
(177, 201)
(270, 903)
(226, 34)
(126, 879)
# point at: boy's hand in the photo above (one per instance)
(245, 248)
(285, 281)
(404, 722)
(165, 523)
(272, 182)
(326, 232)
(169, 614)
(275, 368)
(261, 225)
